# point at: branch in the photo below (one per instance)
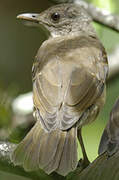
(102, 168)
(101, 16)
(107, 167)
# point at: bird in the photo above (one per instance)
(69, 88)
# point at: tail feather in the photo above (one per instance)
(68, 160)
(54, 151)
(53, 165)
(49, 147)
(19, 155)
(31, 161)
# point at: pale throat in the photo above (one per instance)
(70, 29)
(64, 32)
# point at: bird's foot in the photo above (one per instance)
(83, 163)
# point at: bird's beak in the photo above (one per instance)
(33, 20)
(29, 17)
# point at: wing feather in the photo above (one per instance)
(68, 85)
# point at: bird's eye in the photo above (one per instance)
(55, 16)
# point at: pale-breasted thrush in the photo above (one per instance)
(69, 75)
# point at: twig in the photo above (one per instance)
(99, 15)
(102, 168)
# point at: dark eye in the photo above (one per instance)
(55, 16)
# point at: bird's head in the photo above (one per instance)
(60, 19)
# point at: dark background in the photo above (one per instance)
(18, 44)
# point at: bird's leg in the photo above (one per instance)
(85, 162)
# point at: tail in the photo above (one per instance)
(54, 151)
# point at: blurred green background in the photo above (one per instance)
(18, 46)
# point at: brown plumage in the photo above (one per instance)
(69, 75)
